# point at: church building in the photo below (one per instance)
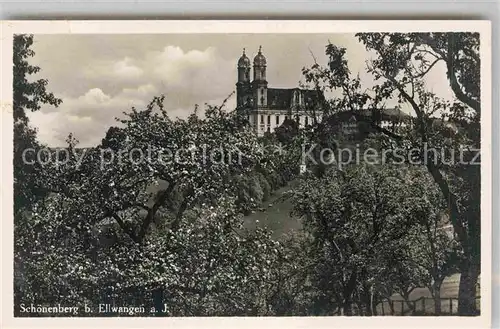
(269, 107)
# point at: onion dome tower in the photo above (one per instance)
(259, 83)
(243, 86)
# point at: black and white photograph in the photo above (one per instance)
(240, 173)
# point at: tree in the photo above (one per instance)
(29, 186)
(288, 130)
(28, 96)
(354, 216)
(114, 138)
(430, 246)
(183, 243)
(402, 61)
(429, 253)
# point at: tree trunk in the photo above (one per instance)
(347, 308)
(467, 288)
(367, 301)
(373, 302)
(411, 306)
(391, 305)
(157, 295)
(360, 309)
(348, 290)
(436, 294)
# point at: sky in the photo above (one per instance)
(98, 77)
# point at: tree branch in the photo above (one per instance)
(455, 86)
(434, 170)
(421, 74)
(451, 74)
(127, 229)
(161, 197)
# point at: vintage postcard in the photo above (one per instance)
(246, 173)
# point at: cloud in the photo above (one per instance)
(186, 78)
(175, 65)
(121, 70)
(100, 76)
(88, 116)
(126, 69)
(94, 96)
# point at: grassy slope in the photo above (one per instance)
(275, 214)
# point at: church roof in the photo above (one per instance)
(244, 61)
(259, 59)
(282, 98)
(279, 97)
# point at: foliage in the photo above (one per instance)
(399, 66)
(401, 63)
(288, 130)
(355, 217)
(29, 174)
(185, 240)
(28, 95)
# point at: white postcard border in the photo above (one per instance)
(9, 28)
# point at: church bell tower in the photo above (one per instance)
(243, 86)
(259, 84)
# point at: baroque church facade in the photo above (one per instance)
(269, 107)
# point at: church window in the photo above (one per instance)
(268, 119)
(307, 120)
(262, 100)
(277, 120)
(262, 119)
